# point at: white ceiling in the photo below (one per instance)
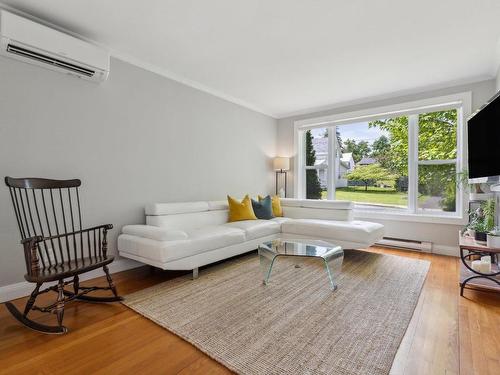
(287, 56)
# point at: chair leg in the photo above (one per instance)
(31, 300)
(23, 318)
(59, 310)
(110, 281)
(76, 284)
(112, 287)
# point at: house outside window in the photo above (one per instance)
(402, 159)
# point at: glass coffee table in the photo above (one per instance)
(332, 255)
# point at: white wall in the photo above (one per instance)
(136, 138)
(441, 235)
(498, 79)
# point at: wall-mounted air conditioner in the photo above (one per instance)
(31, 42)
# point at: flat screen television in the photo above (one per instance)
(483, 129)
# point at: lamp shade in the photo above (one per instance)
(281, 163)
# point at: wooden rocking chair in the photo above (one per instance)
(56, 247)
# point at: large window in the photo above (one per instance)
(437, 160)
(402, 161)
(373, 169)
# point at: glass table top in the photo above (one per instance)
(309, 248)
(332, 255)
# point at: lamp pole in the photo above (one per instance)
(281, 172)
(281, 165)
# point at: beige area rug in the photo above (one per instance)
(295, 324)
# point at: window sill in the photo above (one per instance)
(360, 213)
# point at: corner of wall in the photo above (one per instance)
(497, 64)
(498, 78)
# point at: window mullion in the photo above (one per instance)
(412, 163)
(332, 150)
(462, 199)
(437, 162)
(301, 162)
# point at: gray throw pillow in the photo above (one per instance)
(264, 208)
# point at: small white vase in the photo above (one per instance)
(281, 193)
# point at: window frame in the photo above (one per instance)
(460, 101)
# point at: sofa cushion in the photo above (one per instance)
(350, 231)
(256, 228)
(216, 236)
(317, 203)
(317, 213)
(218, 205)
(199, 241)
(188, 221)
(281, 220)
(155, 233)
(175, 208)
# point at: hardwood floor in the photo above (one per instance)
(447, 335)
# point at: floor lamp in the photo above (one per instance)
(281, 165)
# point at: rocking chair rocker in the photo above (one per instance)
(56, 247)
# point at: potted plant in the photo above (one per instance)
(480, 231)
(482, 220)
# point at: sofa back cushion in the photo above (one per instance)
(317, 209)
(158, 209)
(194, 215)
(187, 216)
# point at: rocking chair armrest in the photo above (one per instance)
(37, 239)
(34, 239)
(104, 226)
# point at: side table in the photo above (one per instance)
(472, 279)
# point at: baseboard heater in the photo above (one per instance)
(406, 244)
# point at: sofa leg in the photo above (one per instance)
(195, 273)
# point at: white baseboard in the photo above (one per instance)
(24, 288)
(452, 251)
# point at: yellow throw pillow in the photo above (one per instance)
(276, 203)
(240, 210)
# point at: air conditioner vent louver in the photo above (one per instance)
(49, 60)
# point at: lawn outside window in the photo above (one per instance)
(399, 160)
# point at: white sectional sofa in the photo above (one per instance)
(185, 236)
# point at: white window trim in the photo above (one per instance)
(461, 101)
